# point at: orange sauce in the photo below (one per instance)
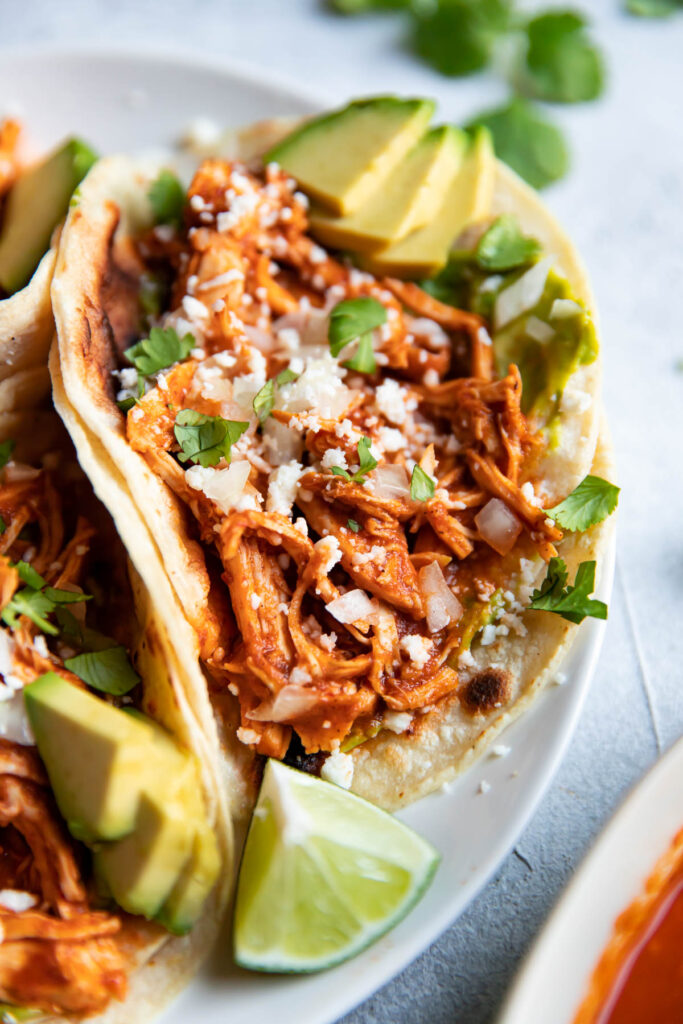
(639, 978)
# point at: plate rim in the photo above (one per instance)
(586, 647)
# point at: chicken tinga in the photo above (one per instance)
(364, 488)
(89, 785)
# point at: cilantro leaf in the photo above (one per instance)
(352, 318)
(29, 575)
(167, 197)
(34, 605)
(353, 525)
(264, 400)
(3, 525)
(364, 359)
(421, 485)
(367, 462)
(562, 65)
(457, 36)
(504, 247)
(80, 635)
(109, 670)
(6, 449)
(589, 503)
(652, 8)
(534, 147)
(126, 404)
(571, 602)
(162, 349)
(206, 439)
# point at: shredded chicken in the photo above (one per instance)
(320, 557)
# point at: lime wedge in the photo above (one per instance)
(324, 874)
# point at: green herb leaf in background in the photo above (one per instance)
(167, 197)
(6, 449)
(457, 36)
(504, 247)
(571, 602)
(206, 439)
(534, 147)
(109, 670)
(421, 485)
(562, 64)
(593, 500)
(365, 6)
(652, 8)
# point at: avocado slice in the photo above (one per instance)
(35, 205)
(184, 904)
(409, 199)
(341, 158)
(467, 200)
(142, 868)
(96, 756)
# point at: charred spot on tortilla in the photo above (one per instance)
(486, 691)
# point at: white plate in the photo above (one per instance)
(555, 977)
(138, 101)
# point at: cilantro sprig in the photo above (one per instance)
(355, 319)
(503, 246)
(264, 400)
(167, 198)
(457, 37)
(573, 603)
(206, 439)
(108, 670)
(36, 600)
(593, 500)
(421, 485)
(652, 8)
(366, 462)
(160, 350)
(562, 64)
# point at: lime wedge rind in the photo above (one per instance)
(324, 875)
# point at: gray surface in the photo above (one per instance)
(624, 206)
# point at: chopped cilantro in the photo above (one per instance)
(264, 401)
(162, 349)
(353, 525)
(457, 36)
(531, 145)
(504, 247)
(421, 485)
(167, 197)
(107, 670)
(589, 503)
(3, 525)
(6, 449)
(36, 600)
(562, 64)
(362, 6)
(126, 404)
(571, 602)
(206, 439)
(354, 319)
(366, 461)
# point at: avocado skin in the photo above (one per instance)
(36, 203)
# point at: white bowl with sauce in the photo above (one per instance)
(554, 980)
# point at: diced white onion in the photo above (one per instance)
(441, 604)
(311, 324)
(391, 482)
(539, 330)
(17, 900)
(352, 606)
(14, 723)
(17, 472)
(291, 701)
(562, 309)
(522, 295)
(224, 486)
(498, 526)
(261, 339)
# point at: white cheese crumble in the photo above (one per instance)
(334, 457)
(394, 402)
(418, 648)
(338, 769)
(247, 736)
(255, 601)
(500, 750)
(17, 900)
(484, 786)
(397, 721)
(283, 484)
(331, 552)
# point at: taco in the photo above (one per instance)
(114, 849)
(34, 198)
(351, 476)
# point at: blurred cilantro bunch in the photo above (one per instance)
(549, 56)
